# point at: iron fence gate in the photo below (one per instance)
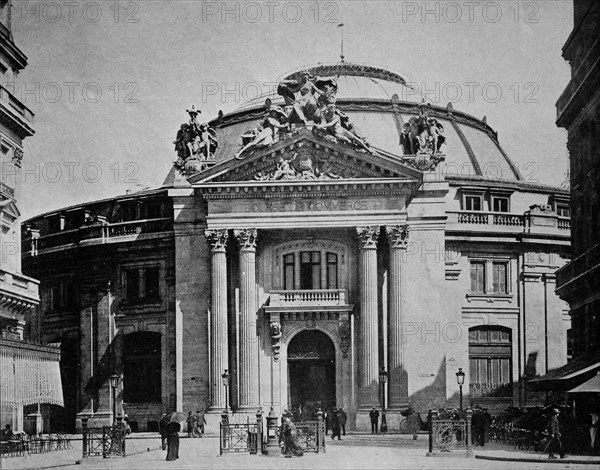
(240, 437)
(104, 441)
(447, 435)
(311, 435)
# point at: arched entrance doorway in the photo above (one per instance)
(311, 372)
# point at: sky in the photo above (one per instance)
(110, 81)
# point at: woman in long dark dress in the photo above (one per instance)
(173, 441)
(289, 436)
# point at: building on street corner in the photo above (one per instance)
(578, 282)
(29, 372)
(302, 242)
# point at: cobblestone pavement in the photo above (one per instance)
(358, 451)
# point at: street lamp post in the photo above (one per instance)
(382, 380)
(460, 378)
(225, 376)
(114, 383)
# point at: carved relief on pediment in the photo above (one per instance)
(302, 162)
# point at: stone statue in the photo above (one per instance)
(332, 125)
(315, 93)
(267, 133)
(422, 134)
(194, 142)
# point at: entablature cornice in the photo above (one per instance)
(296, 189)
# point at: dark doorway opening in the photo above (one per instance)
(311, 373)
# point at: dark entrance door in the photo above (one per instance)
(311, 369)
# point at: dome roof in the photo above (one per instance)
(378, 102)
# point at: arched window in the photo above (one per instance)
(141, 367)
(490, 361)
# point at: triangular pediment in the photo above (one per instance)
(304, 156)
(9, 208)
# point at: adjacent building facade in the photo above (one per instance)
(304, 266)
(578, 282)
(18, 293)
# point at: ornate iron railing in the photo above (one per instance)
(446, 435)
(104, 441)
(311, 435)
(240, 437)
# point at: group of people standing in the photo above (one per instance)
(195, 424)
(336, 421)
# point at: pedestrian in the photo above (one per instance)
(593, 429)
(173, 441)
(7, 433)
(555, 443)
(327, 417)
(413, 423)
(199, 422)
(335, 423)
(162, 429)
(343, 419)
(478, 425)
(290, 445)
(190, 424)
(374, 415)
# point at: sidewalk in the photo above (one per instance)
(354, 451)
(506, 453)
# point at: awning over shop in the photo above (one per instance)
(568, 376)
(591, 386)
(29, 374)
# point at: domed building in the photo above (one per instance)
(339, 243)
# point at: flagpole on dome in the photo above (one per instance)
(341, 25)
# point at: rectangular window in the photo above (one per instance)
(500, 204)
(142, 284)
(332, 271)
(289, 272)
(478, 277)
(151, 284)
(499, 273)
(133, 285)
(62, 296)
(563, 210)
(473, 203)
(310, 270)
(152, 210)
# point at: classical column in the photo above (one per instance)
(248, 347)
(368, 331)
(218, 316)
(398, 240)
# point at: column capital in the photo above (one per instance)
(367, 236)
(398, 236)
(217, 238)
(246, 237)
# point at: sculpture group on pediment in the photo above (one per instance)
(307, 96)
(267, 132)
(422, 137)
(308, 99)
(336, 126)
(306, 167)
(195, 143)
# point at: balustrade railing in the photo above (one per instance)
(103, 232)
(490, 218)
(281, 298)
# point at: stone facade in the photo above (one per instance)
(578, 112)
(303, 287)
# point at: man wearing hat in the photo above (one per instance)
(555, 442)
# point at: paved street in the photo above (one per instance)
(354, 451)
